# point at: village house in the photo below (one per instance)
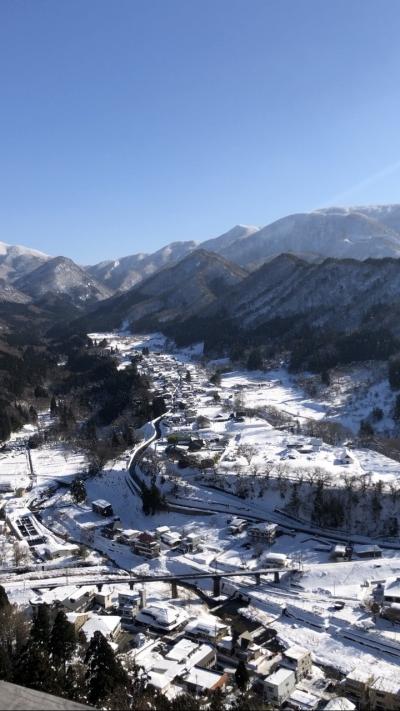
(104, 597)
(237, 525)
(128, 535)
(191, 653)
(384, 694)
(301, 700)
(108, 625)
(265, 532)
(129, 603)
(367, 551)
(161, 616)
(102, 507)
(190, 543)
(200, 681)
(391, 591)
(357, 685)
(147, 545)
(206, 627)
(275, 560)
(171, 539)
(279, 685)
(70, 598)
(298, 659)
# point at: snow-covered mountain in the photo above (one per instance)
(172, 294)
(124, 273)
(334, 232)
(16, 261)
(388, 215)
(62, 277)
(335, 294)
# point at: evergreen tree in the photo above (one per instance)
(366, 429)
(394, 372)
(40, 630)
(241, 675)
(78, 490)
(216, 701)
(188, 376)
(53, 406)
(325, 378)
(318, 507)
(294, 501)
(396, 412)
(216, 378)
(4, 601)
(185, 702)
(62, 640)
(6, 670)
(33, 668)
(254, 361)
(104, 672)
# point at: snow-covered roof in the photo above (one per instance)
(296, 652)
(106, 624)
(64, 592)
(392, 588)
(189, 652)
(388, 686)
(279, 557)
(361, 675)
(303, 700)
(267, 527)
(161, 614)
(101, 503)
(206, 623)
(340, 703)
(279, 676)
(203, 678)
(162, 529)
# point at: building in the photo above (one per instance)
(160, 530)
(128, 604)
(368, 551)
(161, 616)
(384, 694)
(301, 700)
(102, 507)
(77, 619)
(279, 685)
(128, 535)
(191, 653)
(68, 597)
(275, 560)
(338, 551)
(207, 627)
(357, 685)
(108, 625)
(190, 543)
(147, 545)
(171, 539)
(265, 532)
(199, 680)
(298, 659)
(104, 597)
(237, 525)
(391, 591)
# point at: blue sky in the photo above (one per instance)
(127, 124)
